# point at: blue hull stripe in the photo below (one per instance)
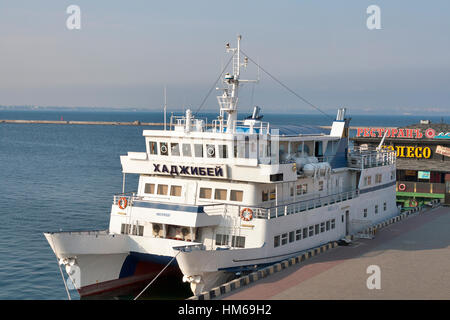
(164, 206)
(131, 261)
(377, 187)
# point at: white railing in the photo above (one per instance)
(368, 158)
(306, 205)
(284, 209)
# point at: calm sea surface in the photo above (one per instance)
(63, 177)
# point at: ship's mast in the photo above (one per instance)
(229, 99)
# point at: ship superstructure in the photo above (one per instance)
(230, 196)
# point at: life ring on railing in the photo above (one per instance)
(413, 203)
(246, 214)
(122, 203)
(402, 187)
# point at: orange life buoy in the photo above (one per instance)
(402, 187)
(246, 214)
(122, 203)
(413, 203)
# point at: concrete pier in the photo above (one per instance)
(413, 256)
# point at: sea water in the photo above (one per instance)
(63, 177)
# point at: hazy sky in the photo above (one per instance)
(126, 51)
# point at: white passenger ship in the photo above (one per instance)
(230, 196)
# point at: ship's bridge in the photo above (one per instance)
(249, 150)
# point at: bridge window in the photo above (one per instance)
(328, 225)
(365, 213)
(153, 147)
(333, 223)
(236, 195)
(187, 150)
(174, 149)
(163, 189)
(223, 153)
(211, 150)
(198, 150)
(376, 209)
(305, 233)
(322, 227)
(220, 194)
(164, 151)
(175, 191)
(149, 188)
(384, 206)
(205, 193)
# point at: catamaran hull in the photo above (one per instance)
(97, 262)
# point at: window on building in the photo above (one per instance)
(236, 195)
(220, 194)
(187, 150)
(298, 234)
(174, 149)
(153, 147)
(222, 239)
(163, 149)
(333, 223)
(205, 193)
(322, 227)
(163, 189)
(291, 236)
(384, 206)
(273, 194)
(238, 241)
(299, 189)
(175, 191)
(223, 151)
(276, 241)
(321, 185)
(149, 188)
(210, 151)
(376, 209)
(365, 213)
(198, 150)
(328, 225)
(284, 239)
(265, 196)
(292, 191)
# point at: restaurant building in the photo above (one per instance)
(423, 159)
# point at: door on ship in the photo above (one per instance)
(347, 222)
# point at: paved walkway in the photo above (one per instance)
(413, 256)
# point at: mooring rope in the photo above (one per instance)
(157, 276)
(60, 270)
